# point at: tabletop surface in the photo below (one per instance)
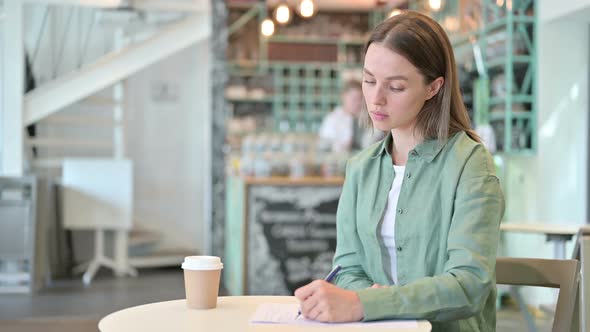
(549, 229)
(232, 314)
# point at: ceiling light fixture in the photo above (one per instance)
(306, 8)
(283, 14)
(267, 27)
(395, 12)
(509, 5)
(435, 5)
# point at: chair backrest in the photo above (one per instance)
(552, 273)
(584, 231)
(581, 252)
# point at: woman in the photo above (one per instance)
(418, 219)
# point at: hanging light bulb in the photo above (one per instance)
(306, 8)
(395, 12)
(451, 24)
(435, 5)
(282, 14)
(267, 27)
(509, 5)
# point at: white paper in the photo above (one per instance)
(281, 313)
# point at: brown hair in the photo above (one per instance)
(425, 44)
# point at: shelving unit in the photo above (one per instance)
(304, 94)
(302, 72)
(300, 93)
(507, 40)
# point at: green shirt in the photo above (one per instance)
(446, 232)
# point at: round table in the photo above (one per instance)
(232, 314)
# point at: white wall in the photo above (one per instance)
(551, 186)
(551, 9)
(168, 141)
(1, 73)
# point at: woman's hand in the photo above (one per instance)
(379, 286)
(324, 302)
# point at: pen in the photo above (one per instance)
(328, 278)
(333, 273)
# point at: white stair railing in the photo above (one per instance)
(73, 87)
(12, 95)
(1, 76)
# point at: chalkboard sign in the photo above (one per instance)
(291, 236)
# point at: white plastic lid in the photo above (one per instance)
(202, 263)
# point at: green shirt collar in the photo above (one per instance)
(427, 150)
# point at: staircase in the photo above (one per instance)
(78, 108)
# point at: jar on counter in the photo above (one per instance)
(297, 165)
(288, 144)
(279, 164)
(330, 165)
(262, 143)
(232, 167)
(341, 160)
(262, 165)
(246, 164)
(248, 144)
(274, 143)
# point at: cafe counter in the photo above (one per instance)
(280, 232)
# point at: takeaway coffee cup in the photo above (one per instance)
(201, 281)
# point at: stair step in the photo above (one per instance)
(48, 162)
(81, 120)
(15, 278)
(69, 143)
(100, 101)
(138, 237)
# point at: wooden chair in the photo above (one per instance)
(553, 273)
(581, 252)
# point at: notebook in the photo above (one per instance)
(281, 313)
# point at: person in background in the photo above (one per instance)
(419, 215)
(340, 127)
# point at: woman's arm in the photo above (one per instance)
(352, 275)
(326, 302)
(463, 289)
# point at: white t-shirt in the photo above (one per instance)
(388, 225)
(337, 129)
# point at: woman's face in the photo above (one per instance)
(394, 89)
